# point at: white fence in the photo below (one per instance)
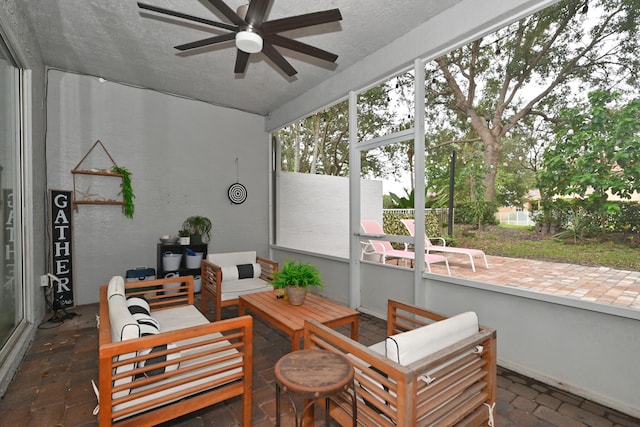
(514, 218)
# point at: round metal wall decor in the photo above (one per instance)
(237, 193)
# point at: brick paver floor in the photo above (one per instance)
(53, 385)
(602, 285)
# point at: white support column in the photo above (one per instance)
(354, 204)
(419, 165)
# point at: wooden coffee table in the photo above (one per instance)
(290, 318)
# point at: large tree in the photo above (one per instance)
(486, 93)
(319, 144)
(596, 153)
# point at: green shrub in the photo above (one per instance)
(392, 225)
(466, 213)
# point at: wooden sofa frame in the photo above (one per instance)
(232, 378)
(211, 275)
(453, 387)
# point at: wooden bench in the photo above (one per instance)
(453, 386)
(188, 365)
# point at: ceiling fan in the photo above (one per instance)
(252, 34)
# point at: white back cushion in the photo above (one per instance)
(116, 286)
(232, 258)
(407, 347)
(123, 325)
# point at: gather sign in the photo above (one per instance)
(61, 248)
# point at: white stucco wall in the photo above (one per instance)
(182, 154)
(586, 348)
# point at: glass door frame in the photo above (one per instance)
(21, 179)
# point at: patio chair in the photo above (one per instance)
(385, 250)
(430, 247)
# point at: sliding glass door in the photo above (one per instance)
(11, 289)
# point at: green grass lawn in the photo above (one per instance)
(522, 242)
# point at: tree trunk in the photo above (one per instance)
(491, 156)
(316, 145)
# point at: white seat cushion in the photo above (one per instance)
(210, 367)
(182, 317)
(233, 289)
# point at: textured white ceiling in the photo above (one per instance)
(116, 40)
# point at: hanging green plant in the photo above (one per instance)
(127, 189)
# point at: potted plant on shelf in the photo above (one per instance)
(199, 228)
(185, 237)
(296, 278)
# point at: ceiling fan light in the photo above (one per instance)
(249, 42)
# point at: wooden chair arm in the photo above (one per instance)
(269, 268)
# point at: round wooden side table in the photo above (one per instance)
(313, 374)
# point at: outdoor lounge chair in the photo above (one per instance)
(430, 247)
(385, 250)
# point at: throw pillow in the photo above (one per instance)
(138, 305)
(157, 359)
(150, 326)
(241, 271)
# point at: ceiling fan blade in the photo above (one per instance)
(228, 12)
(242, 59)
(255, 13)
(278, 59)
(301, 21)
(301, 47)
(207, 42)
(187, 17)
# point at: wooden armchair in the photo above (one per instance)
(226, 276)
(442, 377)
(168, 360)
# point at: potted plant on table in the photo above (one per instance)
(296, 278)
(199, 228)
